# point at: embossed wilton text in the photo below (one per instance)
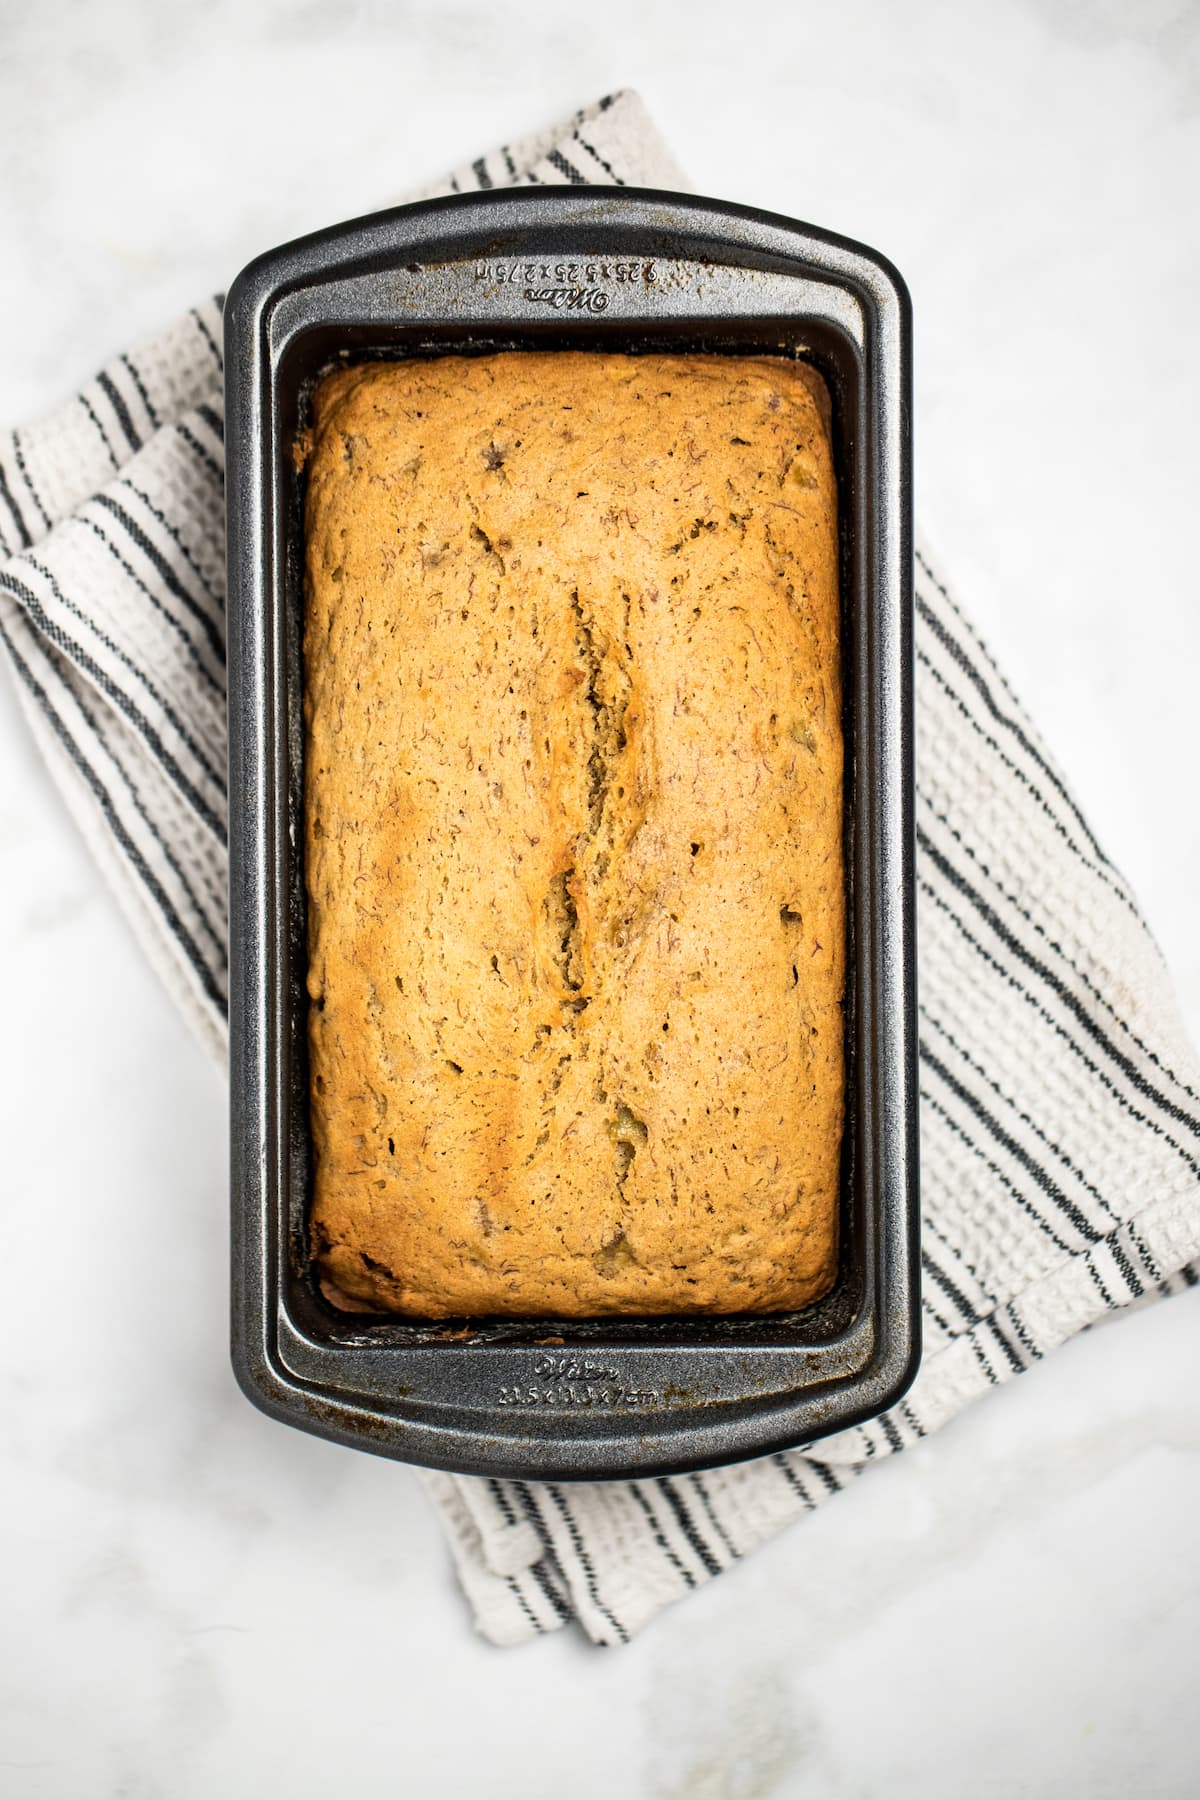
(573, 1394)
(571, 1381)
(592, 300)
(588, 273)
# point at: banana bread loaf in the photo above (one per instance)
(574, 835)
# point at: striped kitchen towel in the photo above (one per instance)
(1060, 1117)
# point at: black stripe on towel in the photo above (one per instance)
(139, 384)
(503, 1503)
(1026, 1119)
(545, 1581)
(890, 1431)
(170, 578)
(793, 1480)
(214, 927)
(1052, 944)
(1058, 1028)
(1019, 1154)
(958, 655)
(1022, 1333)
(198, 750)
(1059, 988)
(931, 1105)
(209, 339)
(116, 400)
(582, 1556)
(687, 1525)
(655, 1525)
(597, 158)
(215, 686)
(213, 419)
(74, 653)
(1104, 874)
(697, 1482)
(94, 416)
(1015, 1361)
(515, 1590)
(115, 824)
(824, 1472)
(22, 470)
(23, 533)
(216, 596)
(558, 161)
(197, 448)
(969, 1314)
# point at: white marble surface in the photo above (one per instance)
(199, 1603)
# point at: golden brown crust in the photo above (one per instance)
(574, 823)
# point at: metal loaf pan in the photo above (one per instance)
(580, 268)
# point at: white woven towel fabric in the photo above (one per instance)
(1060, 1111)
